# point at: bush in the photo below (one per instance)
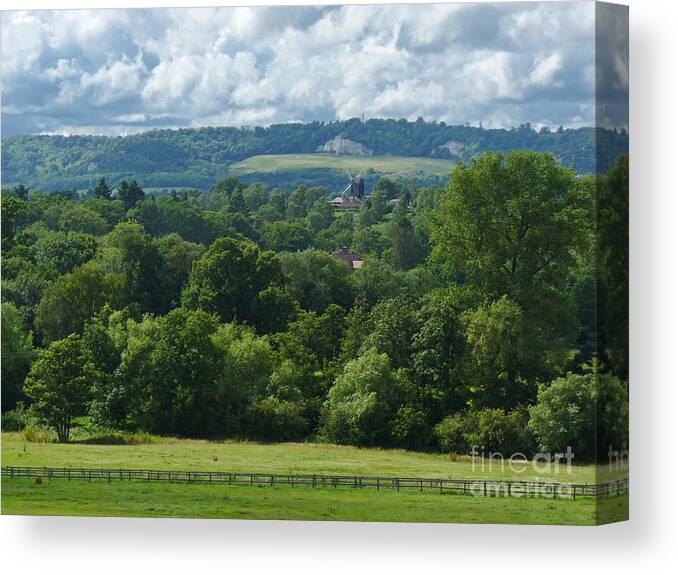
(14, 420)
(273, 419)
(573, 410)
(410, 428)
(36, 435)
(362, 402)
(450, 433)
(487, 430)
(493, 430)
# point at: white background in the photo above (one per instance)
(648, 543)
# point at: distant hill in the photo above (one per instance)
(199, 157)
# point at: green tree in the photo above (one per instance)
(393, 330)
(130, 193)
(406, 249)
(14, 212)
(362, 402)
(586, 412)
(231, 280)
(102, 190)
(63, 251)
(286, 236)
(512, 225)
(613, 264)
(316, 279)
(177, 258)
(128, 251)
(74, 298)
(503, 359)
(59, 384)
(79, 218)
(17, 355)
(172, 364)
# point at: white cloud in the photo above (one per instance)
(107, 70)
(545, 69)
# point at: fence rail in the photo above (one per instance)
(481, 487)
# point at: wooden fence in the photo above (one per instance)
(480, 487)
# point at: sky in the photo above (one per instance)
(124, 71)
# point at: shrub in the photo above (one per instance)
(450, 433)
(273, 419)
(36, 435)
(494, 430)
(488, 430)
(14, 420)
(363, 401)
(410, 428)
(574, 409)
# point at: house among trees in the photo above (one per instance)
(349, 258)
(352, 196)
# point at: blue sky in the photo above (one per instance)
(123, 71)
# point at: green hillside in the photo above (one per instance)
(387, 165)
(199, 157)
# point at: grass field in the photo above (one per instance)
(388, 165)
(59, 497)
(22, 496)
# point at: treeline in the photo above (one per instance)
(198, 157)
(224, 314)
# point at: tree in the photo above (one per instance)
(316, 279)
(74, 298)
(177, 258)
(63, 251)
(79, 218)
(586, 412)
(439, 353)
(613, 264)
(130, 193)
(393, 329)
(512, 225)
(103, 190)
(286, 236)
(362, 402)
(406, 248)
(17, 355)
(129, 252)
(59, 384)
(172, 366)
(14, 211)
(504, 362)
(231, 280)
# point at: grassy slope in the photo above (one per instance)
(188, 455)
(58, 497)
(391, 165)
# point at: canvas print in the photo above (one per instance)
(352, 263)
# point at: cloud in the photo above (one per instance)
(118, 71)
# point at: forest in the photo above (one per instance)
(197, 157)
(490, 312)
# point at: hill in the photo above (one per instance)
(199, 157)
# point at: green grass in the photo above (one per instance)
(319, 458)
(388, 165)
(61, 497)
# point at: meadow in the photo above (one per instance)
(122, 499)
(61, 497)
(252, 457)
(387, 165)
